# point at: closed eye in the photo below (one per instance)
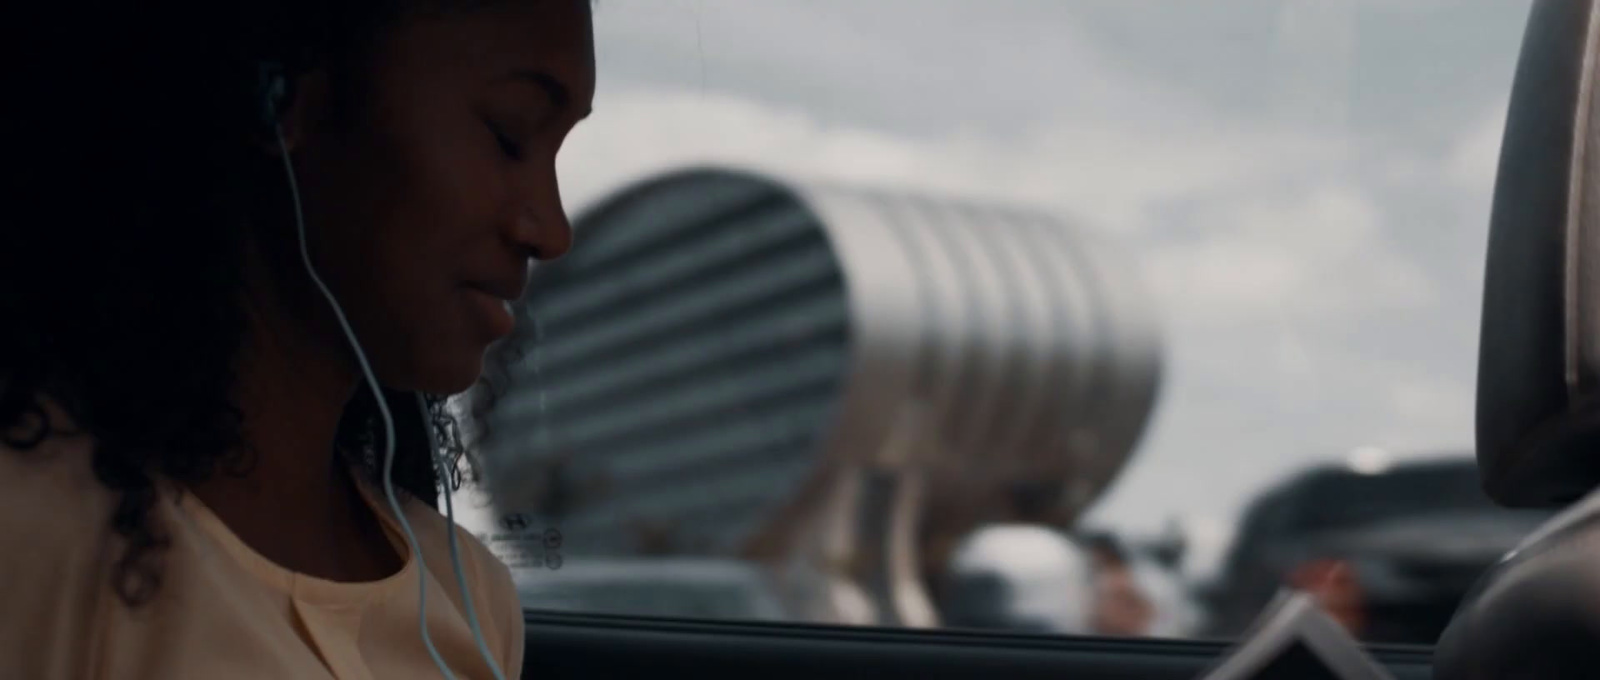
(508, 146)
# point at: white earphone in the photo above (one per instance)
(274, 88)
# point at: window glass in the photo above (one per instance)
(1084, 317)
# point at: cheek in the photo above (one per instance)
(435, 216)
(406, 206)
(441, 186)
(398, 221)
(430, 197)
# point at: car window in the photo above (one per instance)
(1090, 317)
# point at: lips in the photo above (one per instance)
(492, 311)
(508, 289)
(493, 294)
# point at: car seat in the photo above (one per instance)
(1536, 614)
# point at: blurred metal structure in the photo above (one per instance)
(1020, 577)
(729, 362)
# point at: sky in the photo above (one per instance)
(1306, 184)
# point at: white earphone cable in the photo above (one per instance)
(455, 553)
(389, 447)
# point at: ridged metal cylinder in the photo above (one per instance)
(720, 340)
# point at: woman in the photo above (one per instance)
(190, 461)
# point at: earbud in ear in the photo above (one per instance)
(273, 88)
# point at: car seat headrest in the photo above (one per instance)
(1538, 402)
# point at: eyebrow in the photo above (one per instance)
(558, 92)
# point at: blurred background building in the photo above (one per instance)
(849, 381)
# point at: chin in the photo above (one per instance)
(462, 380)
(446, 374)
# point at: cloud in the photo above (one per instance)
(1109, 172)
(1432, 410)
(1475, 156)
(1308, 258)
(1235, 215)
(1315, 253)
(1231, 219)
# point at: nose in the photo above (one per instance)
(542, 227)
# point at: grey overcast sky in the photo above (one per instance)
(1306, 182)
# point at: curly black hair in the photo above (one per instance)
(139, 183)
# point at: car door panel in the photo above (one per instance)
(562, 645)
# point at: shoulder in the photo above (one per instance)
(435, 532)
(487, 575)
(50, 500)
(494, 593)
(54, 512)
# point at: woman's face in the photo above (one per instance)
(427, 197)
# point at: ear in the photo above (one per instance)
(301, 107)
